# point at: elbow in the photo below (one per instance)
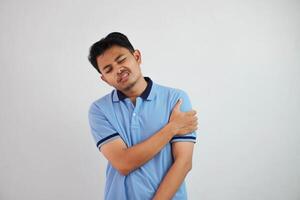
(124, 164)
(124, 169)
(123, 173)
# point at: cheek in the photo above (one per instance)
(132, 61)
(133, 65)
(109, 79)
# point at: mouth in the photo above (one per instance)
(123, 77)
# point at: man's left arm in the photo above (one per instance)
(182, 154)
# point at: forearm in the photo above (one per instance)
(172, 181)
(141, 153)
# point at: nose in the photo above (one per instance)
(120, 70)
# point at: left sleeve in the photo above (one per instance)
(185, 106)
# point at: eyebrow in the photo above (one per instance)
(109, 65)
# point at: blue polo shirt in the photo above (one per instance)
(114, 116)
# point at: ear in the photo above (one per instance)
(137, 55)
(103, 78)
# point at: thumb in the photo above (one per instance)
(177, 106)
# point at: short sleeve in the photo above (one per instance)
(185, 106)
(101, 128)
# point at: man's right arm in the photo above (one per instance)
(125, 159)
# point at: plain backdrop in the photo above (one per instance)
(239, 61)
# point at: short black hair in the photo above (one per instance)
(98, 48)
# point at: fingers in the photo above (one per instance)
(191, 113)
(194, 127)
(190, 129)
(177, 106)
(195, 118)
(194, 112)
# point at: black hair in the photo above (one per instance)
(98, 48)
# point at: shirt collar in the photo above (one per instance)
(147, 94)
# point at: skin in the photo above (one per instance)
(120, 68)
(118, 61)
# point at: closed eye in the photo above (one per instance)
(122, 60)
(109, 70)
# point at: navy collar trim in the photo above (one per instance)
(145, 93)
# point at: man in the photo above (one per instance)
(146, 131)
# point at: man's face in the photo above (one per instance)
(119, 67)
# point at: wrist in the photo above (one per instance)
(172, 128)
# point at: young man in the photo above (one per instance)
(146, 131)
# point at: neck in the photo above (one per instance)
(137, 89)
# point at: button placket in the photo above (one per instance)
(134, 117)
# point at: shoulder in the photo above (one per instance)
(171, 91)
(101, 103)
(172, 95)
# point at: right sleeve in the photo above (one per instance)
(186, 106)
(101, 129)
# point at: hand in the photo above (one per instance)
(183, 122)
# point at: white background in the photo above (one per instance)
(239, 61)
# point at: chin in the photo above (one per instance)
(129, 85)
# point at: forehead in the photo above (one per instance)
(110, 54)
